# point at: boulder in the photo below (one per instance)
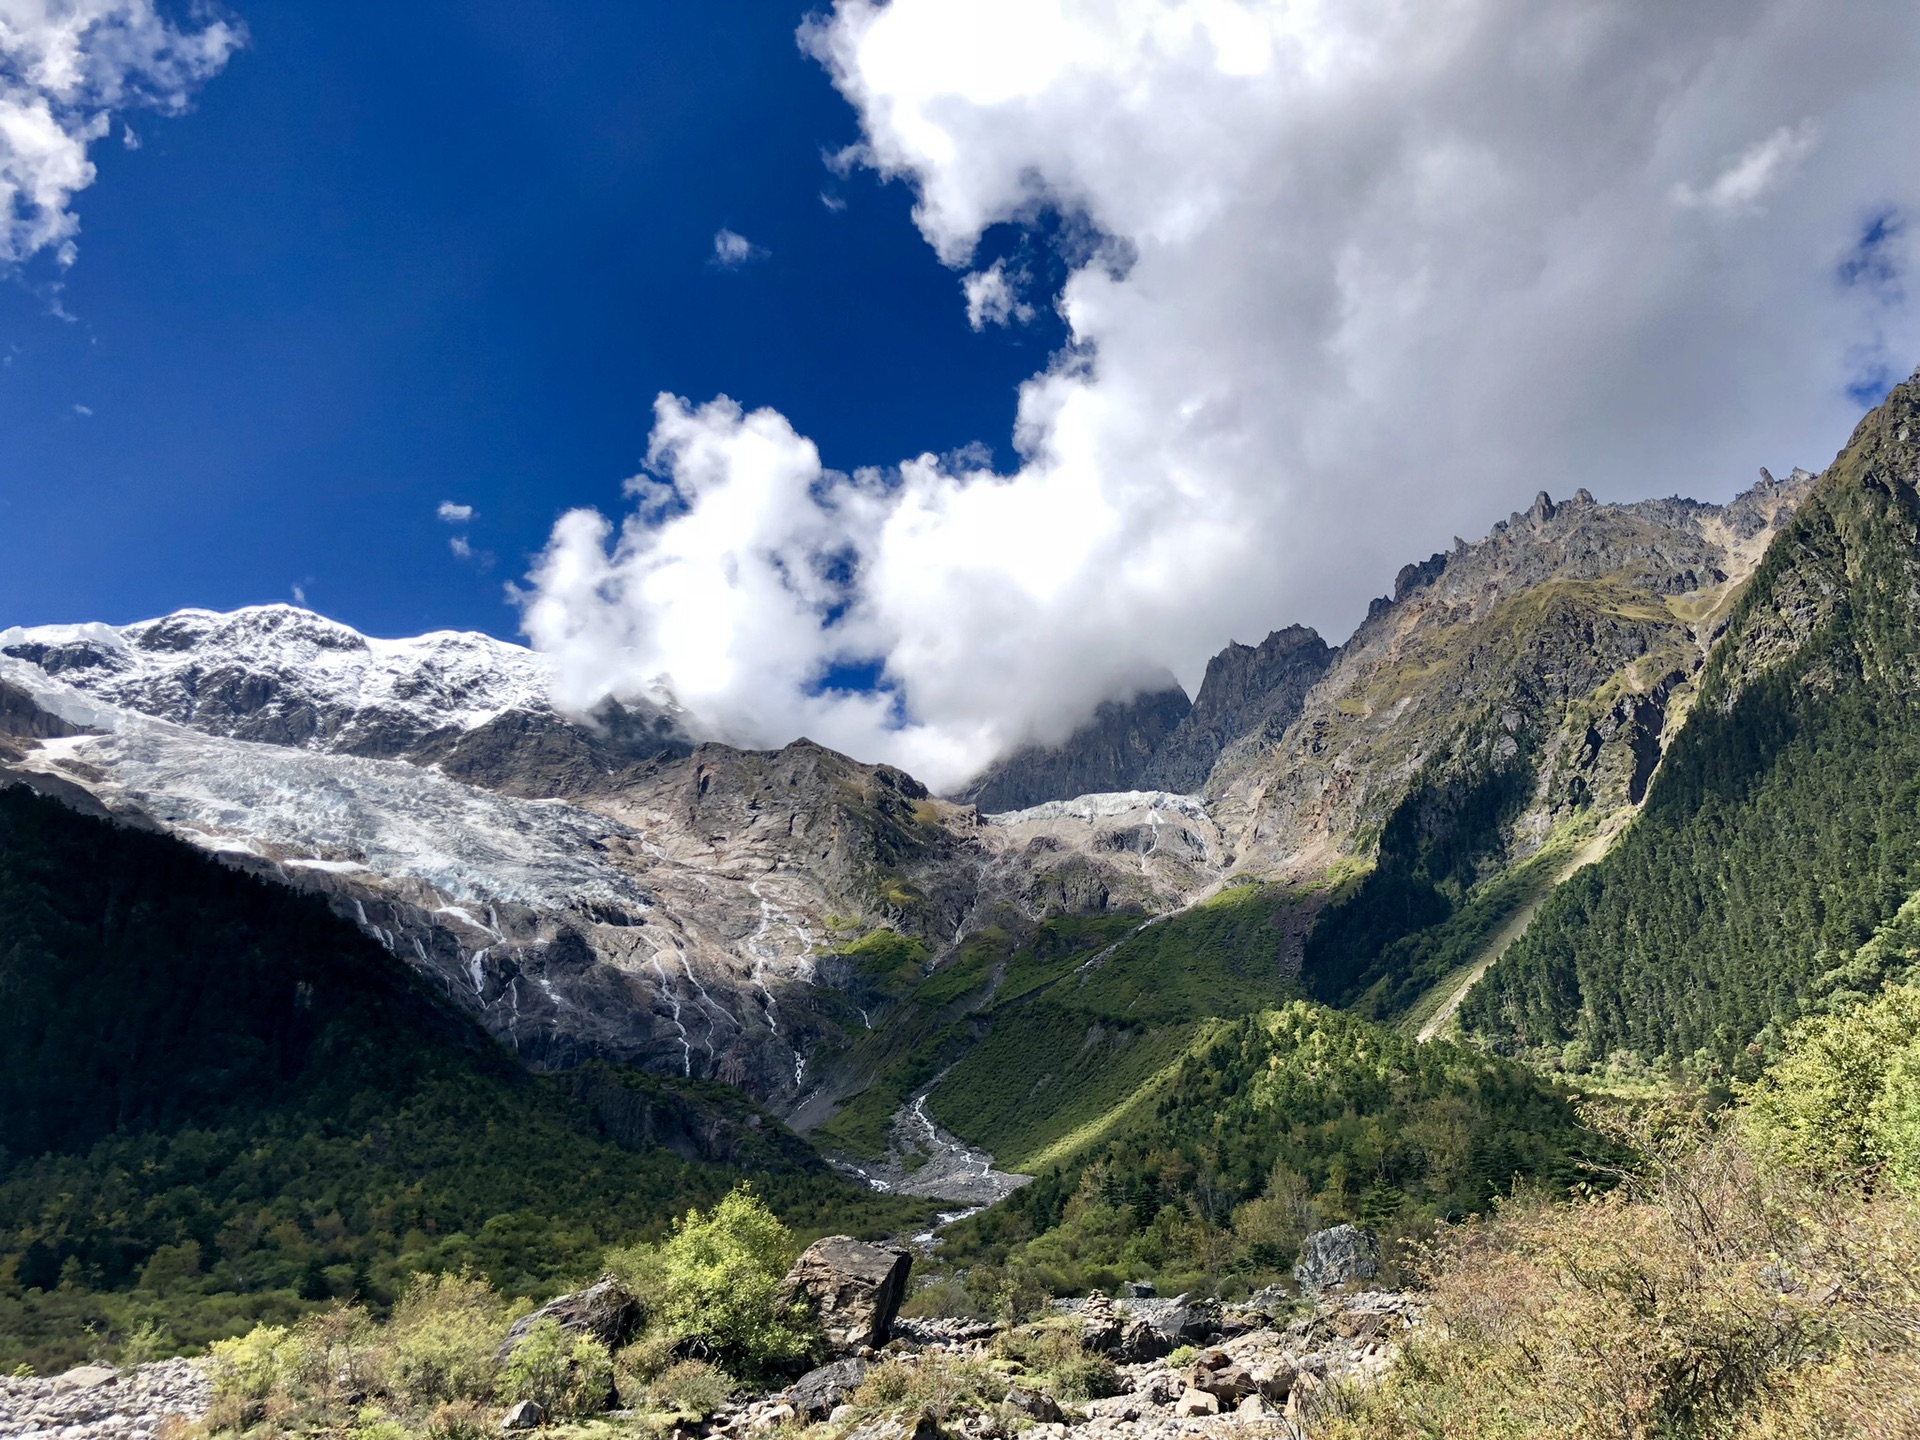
(1196, 1402)
(86, 1377)
(605, 1310)
(524, 1416)
(852, 1288)
(1336, 1257)
(916, 1427)
(1217, 1373)
(1108, 1330)
(818, 1392)
(1037, 1404)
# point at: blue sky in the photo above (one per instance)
(397, 255)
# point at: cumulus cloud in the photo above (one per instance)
(65, 67)
(991, 298)
(1350, 277)
(454, 514)
(732, 250)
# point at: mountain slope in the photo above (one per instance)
(218, 1101)
(1784, 824)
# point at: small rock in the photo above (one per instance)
(770, 1417)
(921, 1427)
(1139, 1290)
(1196, 1402)
(840, 1415)
(527, 1415)
(1252, 1408)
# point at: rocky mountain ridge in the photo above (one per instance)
(604, 886)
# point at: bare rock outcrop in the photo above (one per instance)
(853, 1289)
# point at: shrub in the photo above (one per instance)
(692, 1387)
(1703, 1295)
(567, 1376)
(1839, 1096)
(148, 1342)
(940, 1385)
(250, 1366)
(458, 1420)
(943, 1298)
(646, 1359)
(715, 1282)
(442, 1340)
(1062, 1366)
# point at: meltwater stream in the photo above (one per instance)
(953, 1170)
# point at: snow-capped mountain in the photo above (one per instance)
(286, 676)
(584, 885)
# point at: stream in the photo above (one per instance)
(953, 1170)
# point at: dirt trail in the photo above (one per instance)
(1511, 931)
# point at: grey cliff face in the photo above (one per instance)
(1114, 751)
(1248, 691)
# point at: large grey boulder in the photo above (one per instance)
(1340, 1256)
(606, 1310)
(853, 1289)
(817, 1393)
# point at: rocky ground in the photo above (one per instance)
(1184, 1369)
(97, 1402)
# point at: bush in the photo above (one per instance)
(943, 1298)
(1059, 1364)
(936, 1384)
(714, 1285)
(568, 1376)
(443, 1338)
(458, 1420)
(251, 1366)
(1708, 1295)
(692, 1387)
(1845, 1093)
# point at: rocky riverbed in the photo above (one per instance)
(98, 1402)
(1183, 1368)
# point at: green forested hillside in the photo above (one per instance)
(1269, 1126)
(1034, 1034)
(219, 1102)
(1783, 826)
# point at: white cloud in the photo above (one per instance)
(454, 514)
(79, 409)
(461, 547)
(991, 299)
(731, 250)
(1759, 170)
(65, 66)
(1366, 274)
(833, 203)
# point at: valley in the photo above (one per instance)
(1361, 970)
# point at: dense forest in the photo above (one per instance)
(1783, 826)
(219, 1103)
(1266, 1128)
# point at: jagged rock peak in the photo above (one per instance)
(1111, 752)
(1248, 690)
